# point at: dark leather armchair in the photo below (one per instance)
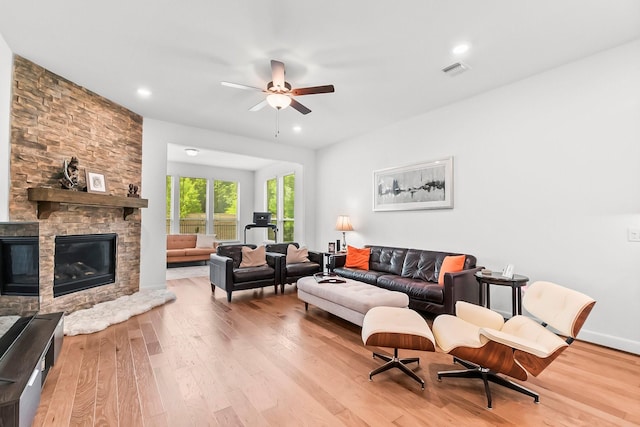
(290, 273)
(225, 271)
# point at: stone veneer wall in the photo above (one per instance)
(53, 119)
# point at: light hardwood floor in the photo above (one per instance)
(263, 361)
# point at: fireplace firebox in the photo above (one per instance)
(83, 262)
(19, 266)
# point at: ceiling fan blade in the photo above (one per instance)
(277, 73)
(239, 86)
(301, 108)
(313, 90)
(259, 106)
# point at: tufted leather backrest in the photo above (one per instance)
(420, 265)
(280, 248)
(425, 265)
(234, 252)
(386, 259)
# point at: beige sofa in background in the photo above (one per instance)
(190, 247)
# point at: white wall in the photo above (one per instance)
(245, 180)
(6, 65)
(153, 240)
(156, 135)
(546, 177)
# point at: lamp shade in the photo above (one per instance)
(278, 100)
(344, 223)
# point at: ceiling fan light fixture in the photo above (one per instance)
(278, 101)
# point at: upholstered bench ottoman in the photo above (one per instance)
(350, 300)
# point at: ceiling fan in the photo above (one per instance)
(280, 94)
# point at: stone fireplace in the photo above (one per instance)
(83, 262)
(53, 119)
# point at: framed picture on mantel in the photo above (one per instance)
(427, 185)
(96, 182)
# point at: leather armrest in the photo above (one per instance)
(461, 286)
(274, 259)
(316, 257)
(221, 271)
(278, 262)
(339, 260)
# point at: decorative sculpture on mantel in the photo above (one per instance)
(133, 191)
(70, 174)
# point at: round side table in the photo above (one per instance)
(495, 278)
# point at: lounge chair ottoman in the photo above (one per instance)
(396, 328)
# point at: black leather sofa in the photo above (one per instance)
(225, 271)
(290, 273)
(415, 272)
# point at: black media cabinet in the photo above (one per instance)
(24, 368)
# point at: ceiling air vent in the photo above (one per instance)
(455, 69)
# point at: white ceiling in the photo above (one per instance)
(384, 58)
(177, 153)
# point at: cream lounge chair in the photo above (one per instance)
(481, 341)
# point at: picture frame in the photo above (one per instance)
(332, 247)
(426, 185)
(95, 182)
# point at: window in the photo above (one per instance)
(206, 206)
(193, 205)
(225, 210)
(169, 198)
(288, 199)
(272, 204)
(280, 194)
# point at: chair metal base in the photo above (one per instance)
(395, 362)
(476, 371)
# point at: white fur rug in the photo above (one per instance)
(100, 316)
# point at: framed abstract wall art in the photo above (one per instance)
(427, 185)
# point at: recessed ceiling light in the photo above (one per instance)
(297, 128)
(143, 92)
(460, 49)
(191, 151)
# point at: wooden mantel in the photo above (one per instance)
(49, 200)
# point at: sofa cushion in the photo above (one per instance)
(450, 264)
(295, 255)
(253, 257)
(205, 240)
(251, 274)
(180, 241)
(469, 261)
(386, 259)
(357, 258)
(198, 251)
(416, 289)
(234, 252)
(420, 265)
(366, 276)
(302, 269)
(175, 253)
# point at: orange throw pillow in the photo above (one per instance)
(357, 258)
(451, 264)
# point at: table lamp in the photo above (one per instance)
(344, 224)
